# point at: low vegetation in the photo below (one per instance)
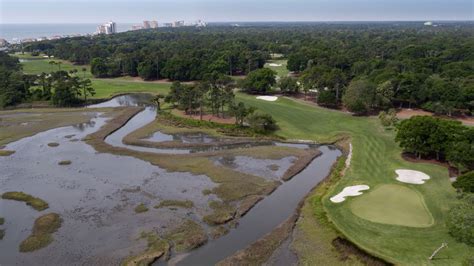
(189, 235)
(36, 203)
(156, 248)
(6, 152)
(219, 231)
(53, 144)
(314, 233)
(21, 123)
(41, 235)
(141, 208)
(2, 231)
(232, 185)
(187, 204)
(222, 213)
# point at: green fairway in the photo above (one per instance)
(37, 66)
(104, 88)
(279, 66)
(393, 204)
(375, 158)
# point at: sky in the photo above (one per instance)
(130, 11)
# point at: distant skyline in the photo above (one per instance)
(87, 11)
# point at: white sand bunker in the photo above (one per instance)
(275, 65)
(349, 191)
(268, 98)
(411, 176)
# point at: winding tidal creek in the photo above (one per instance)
(96, 194)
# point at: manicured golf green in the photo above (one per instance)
(393, 204)
(375, 158)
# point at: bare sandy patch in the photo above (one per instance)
(350, 191)
(268, 98)
(411, 176)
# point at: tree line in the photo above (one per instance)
(442, 139)
(375, 64)
(61, 88)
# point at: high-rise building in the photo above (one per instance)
(154, 24)
(107, 28)
(179, 23)
(146, 24)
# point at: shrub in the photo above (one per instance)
(465, 182)
(262, 123)
(461, 221)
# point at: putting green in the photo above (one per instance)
(393, 204)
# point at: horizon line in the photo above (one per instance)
(254, 21)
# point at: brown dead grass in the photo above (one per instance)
(261, 250)
(301, 163)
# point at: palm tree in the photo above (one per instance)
(157, 101)
(84, 72)
(56, 63)
(52, 63)
(73, 71)
(87, 89)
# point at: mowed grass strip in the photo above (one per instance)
(393, 204)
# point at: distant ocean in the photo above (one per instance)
(12, 32)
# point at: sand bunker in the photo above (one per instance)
(411, 176)
(275, 65)
(349, 191)
(268, 98)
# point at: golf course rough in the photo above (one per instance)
(393, 204)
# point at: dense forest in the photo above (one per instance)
(380, 65)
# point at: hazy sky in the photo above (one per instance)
(87, 11)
